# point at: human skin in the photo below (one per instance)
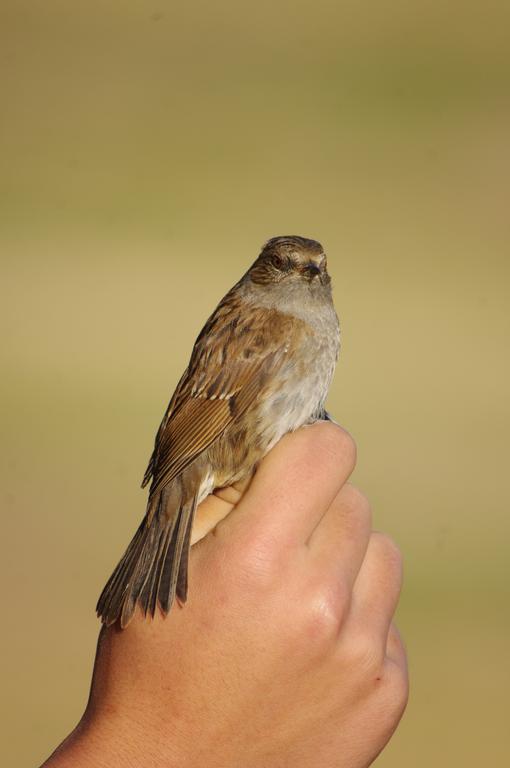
(285, 653)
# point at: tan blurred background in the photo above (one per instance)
(148, 149)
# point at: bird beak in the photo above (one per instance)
(312, 270)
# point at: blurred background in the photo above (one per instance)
(147, 151)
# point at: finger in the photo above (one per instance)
(232, 493)
(377, 588)
(215, 507)
(295, 484)
(339, 542)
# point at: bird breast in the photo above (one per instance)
(298, 394)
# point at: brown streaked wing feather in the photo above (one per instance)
(197, 424)
(229, 365)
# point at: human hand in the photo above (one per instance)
(285, 653)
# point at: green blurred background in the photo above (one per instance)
(148, 149)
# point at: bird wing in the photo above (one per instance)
(238, 350)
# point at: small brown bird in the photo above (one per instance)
(261, 367)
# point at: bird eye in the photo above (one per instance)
(276, 261)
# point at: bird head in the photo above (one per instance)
(291, 258)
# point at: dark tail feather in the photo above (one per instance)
(154, 568)
(174, 575)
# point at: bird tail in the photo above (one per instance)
(154, 567)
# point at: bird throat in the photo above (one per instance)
(307, 300)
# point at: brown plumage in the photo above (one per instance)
(260, 367)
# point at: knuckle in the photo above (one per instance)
(341, 596)
(395, 647)
(336, 442)
(363, 653)
(395, 689)
(357, 503)
(388, 551)
(323, 614)
(321, 619)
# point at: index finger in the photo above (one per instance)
(296, 483)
